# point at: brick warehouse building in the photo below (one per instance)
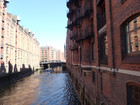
(103, 50)
(19, 50)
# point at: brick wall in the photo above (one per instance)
(110, 85)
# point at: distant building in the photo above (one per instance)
(60, 56)
(18, 46)
(50, 54)
(44, 54)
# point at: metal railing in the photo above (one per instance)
(79, 13)
(74, 46)
(74, 35)
(87, 32)
(78, 3)
(70, 13)
(70, 26)
(69, 3)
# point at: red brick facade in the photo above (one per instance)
(103, 50)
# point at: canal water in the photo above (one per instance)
(40, 89)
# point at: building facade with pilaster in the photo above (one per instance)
(103, 50)
(19, 49)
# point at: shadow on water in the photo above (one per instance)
(41, 89)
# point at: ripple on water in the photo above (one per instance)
(41, 89)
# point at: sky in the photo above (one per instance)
(46, 18)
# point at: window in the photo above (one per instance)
(132, 33)
(106, 45)
(104, 49)
(6, 60)
(102, 7)
(101, 14)
(84, 74)
(6, 50)
(130, 39)
(133, 94)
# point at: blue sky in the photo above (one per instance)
(46, 18)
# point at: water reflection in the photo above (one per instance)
(20, 92)
(57, 69)
(40, 89)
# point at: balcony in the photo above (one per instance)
(82, 13)
(86, 33)
(74, 35)
(69, 3)
(70, 26)
(87, 12)
(70, 14)
(79, 14)
(78, 3)
(74, 46)
(101, 21)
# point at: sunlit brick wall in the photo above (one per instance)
(18, 45)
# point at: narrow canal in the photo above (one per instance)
(40, 89)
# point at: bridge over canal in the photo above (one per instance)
(52, 64)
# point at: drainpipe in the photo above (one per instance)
(112, 38)
(98, 53)
(100, 74)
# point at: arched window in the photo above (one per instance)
(133, 93)
(132, 32)
(130, 39)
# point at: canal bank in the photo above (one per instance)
(83, 90)
(40, 89)
(11, 77)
